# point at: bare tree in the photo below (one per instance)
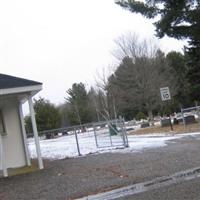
(130, 45)
(106, 97)
(94, 105)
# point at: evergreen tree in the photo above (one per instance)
(79, 112)
(176, 61)
(46, 114)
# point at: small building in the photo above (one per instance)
(14, 151)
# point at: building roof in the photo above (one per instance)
(7, 81)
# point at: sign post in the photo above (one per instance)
(165, 96)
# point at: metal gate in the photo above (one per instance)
(111, 133)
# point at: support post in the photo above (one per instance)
(35, 132)
(28, 162)
(110, 127)
(95, 135)
(3, 166)
(77, 144)
(171, 125)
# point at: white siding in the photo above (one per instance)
(13, 142)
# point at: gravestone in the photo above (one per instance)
(165, 122)
(145, 125)
(190, 119)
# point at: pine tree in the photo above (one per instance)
(177, 62)
(78, 99)
(47, 116)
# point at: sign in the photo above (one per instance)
(165, 94)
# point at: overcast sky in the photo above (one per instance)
(59, 42)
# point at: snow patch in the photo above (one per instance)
(65, 146)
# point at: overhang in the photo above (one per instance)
(11, 86)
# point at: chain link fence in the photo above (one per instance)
(191, 119)
(88, 138)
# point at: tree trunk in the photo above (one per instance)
(150, 115)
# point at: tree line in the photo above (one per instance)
(80, 106)
(132, 88)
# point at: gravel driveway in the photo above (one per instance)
(76, 177)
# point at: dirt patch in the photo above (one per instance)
(177, 129)
(27, 169)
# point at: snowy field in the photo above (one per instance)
(65, 146)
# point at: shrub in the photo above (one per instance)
(140, 115)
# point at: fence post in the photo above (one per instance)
(110, 135)
(198, 112)
(125, 133)
(122, 130)
(77, 143)
(110, 126)
(183, 119)
(95, 136)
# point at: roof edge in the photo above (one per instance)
(25, 79)
(33, 88)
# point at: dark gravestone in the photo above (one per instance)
(49, 135)
(145, 125)
(180, 120)
(165, 122)
(190, 119)
(64, 133)
(113, 129)
(176, 121)
(103, 125)
(129, 129)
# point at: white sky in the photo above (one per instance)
(59, 42)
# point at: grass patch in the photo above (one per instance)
(190, 128)
(23, 170)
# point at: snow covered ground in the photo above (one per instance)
(65, 146)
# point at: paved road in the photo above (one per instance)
(76, 177)
(188, 190)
